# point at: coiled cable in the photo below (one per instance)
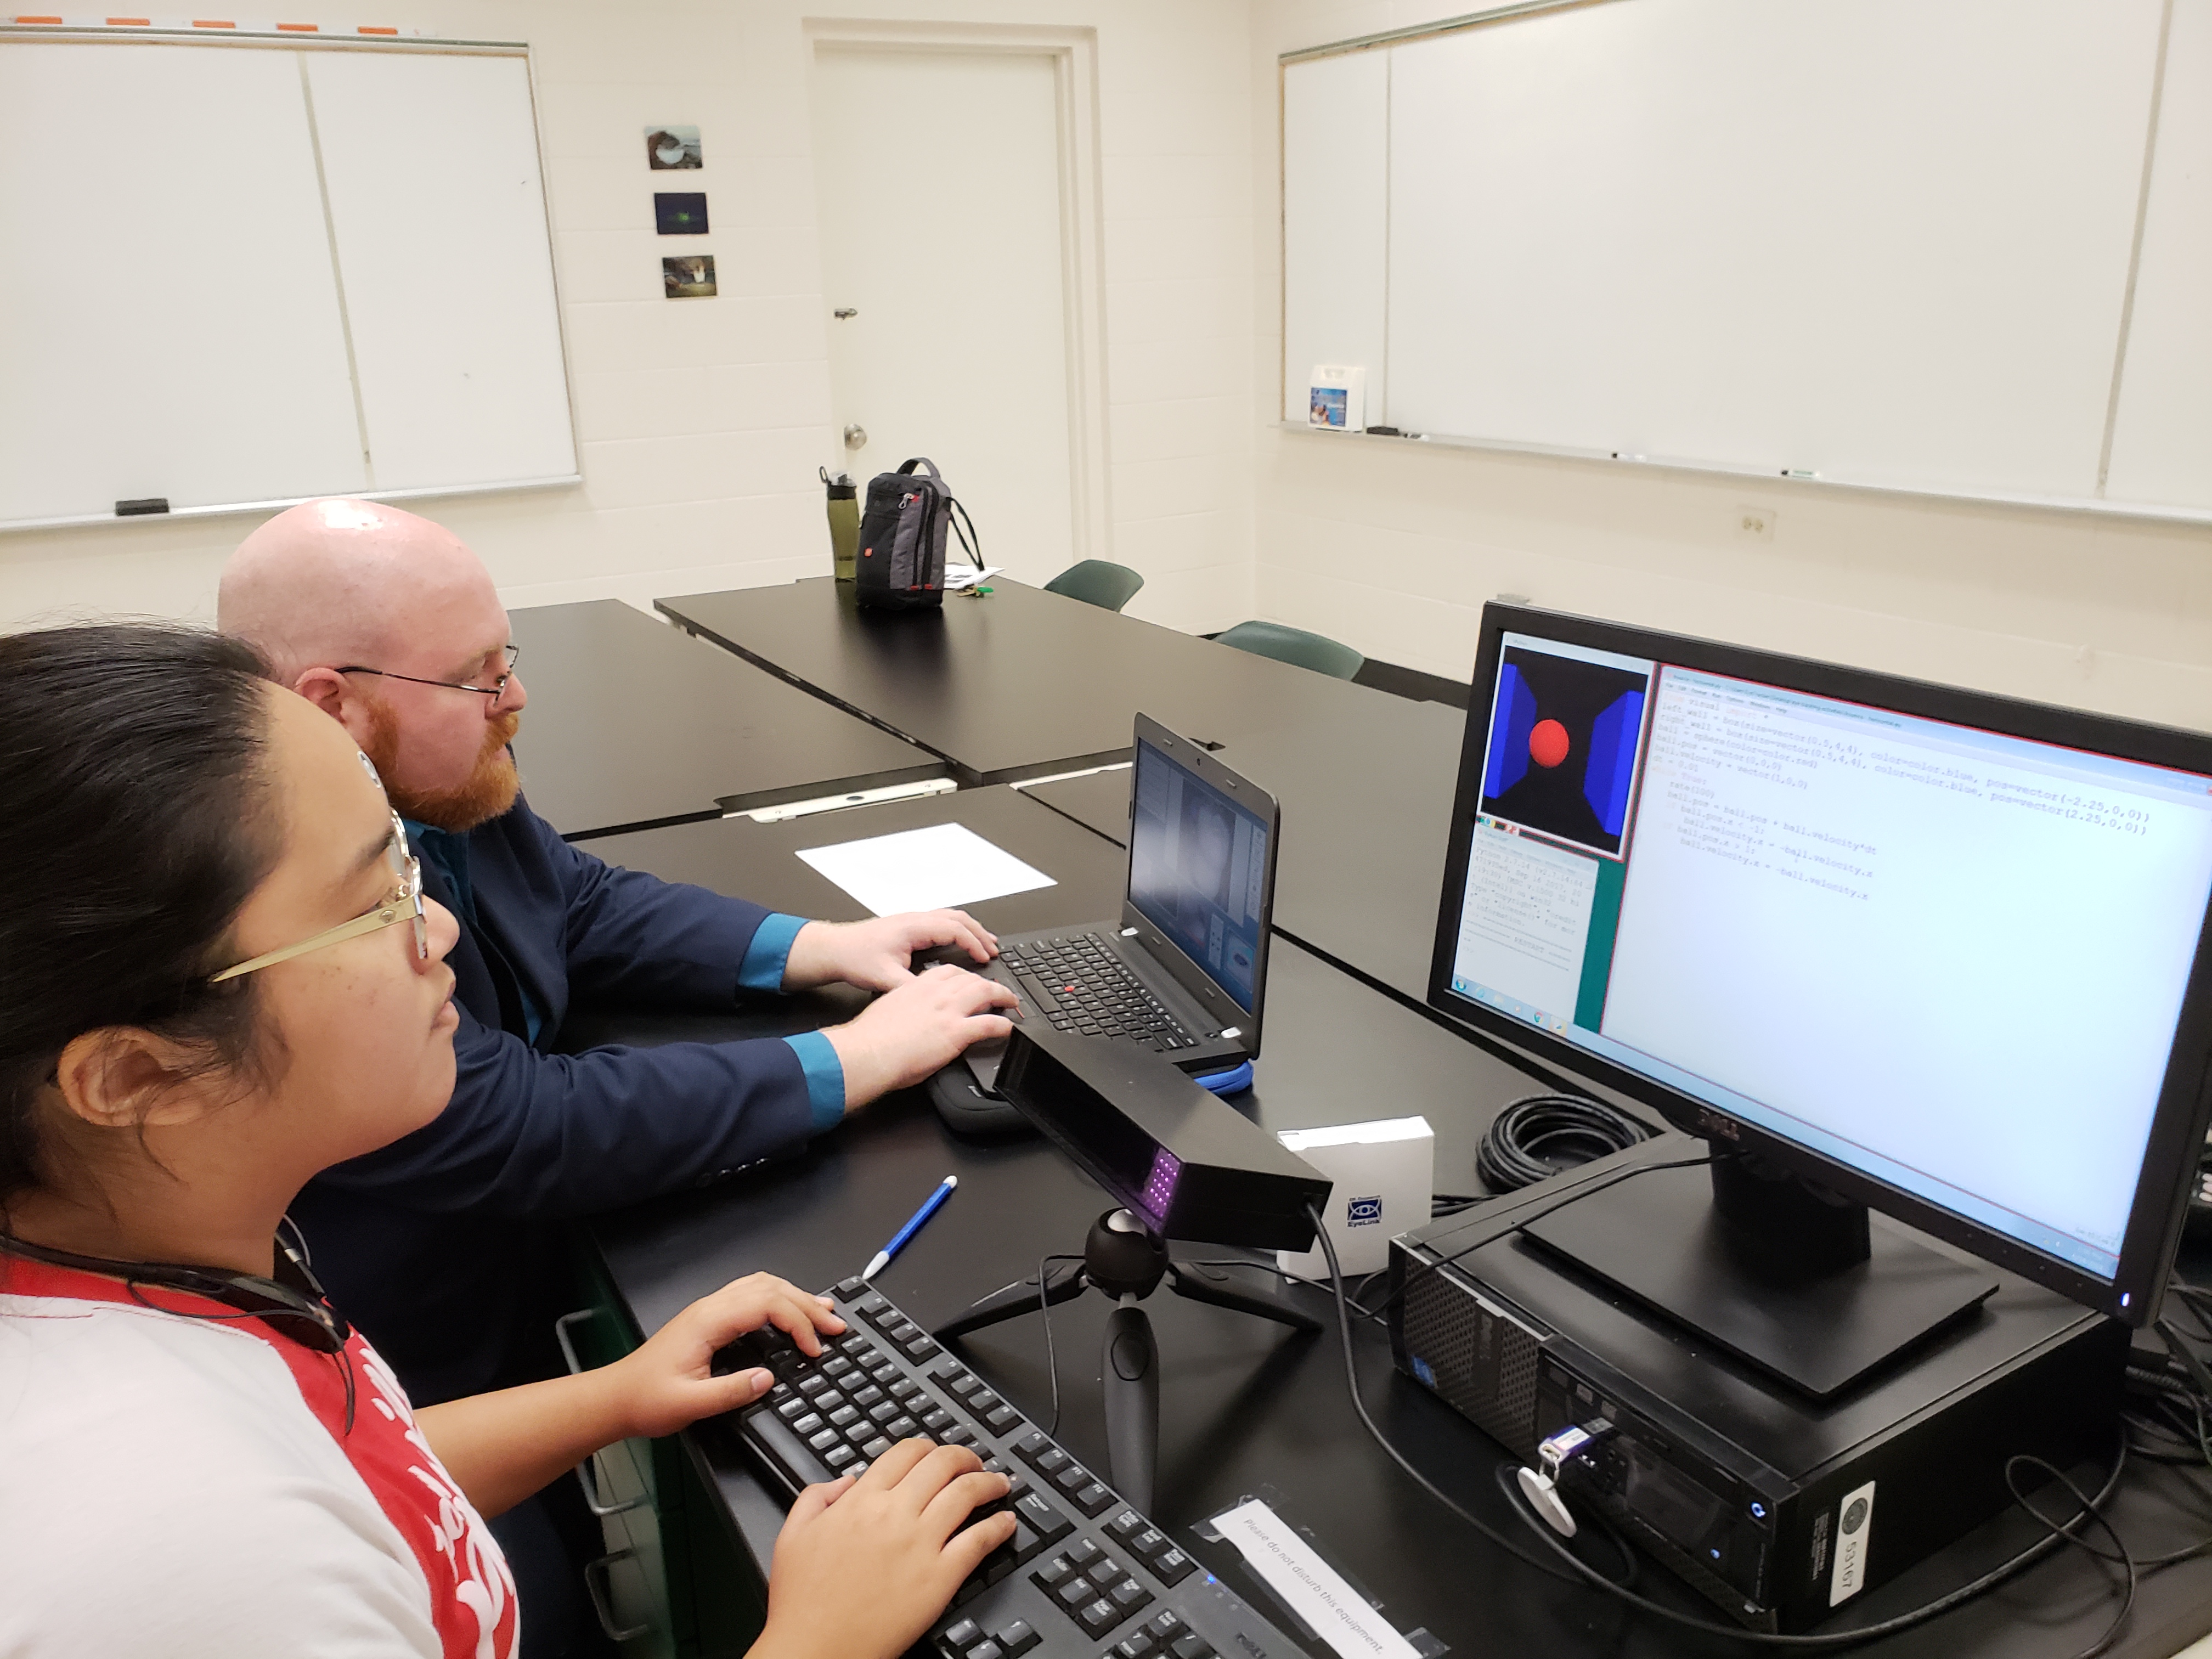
(1538, 1135)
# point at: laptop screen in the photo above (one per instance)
(1198, 867)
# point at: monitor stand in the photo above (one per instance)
(1785, 1275)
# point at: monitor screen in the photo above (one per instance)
(1198, 869)
(1945, 956)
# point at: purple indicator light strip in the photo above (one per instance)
(1160, 1185)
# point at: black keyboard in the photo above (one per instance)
(1090, 991)
(1084, 1576)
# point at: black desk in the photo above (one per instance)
(631, 722)
(1019, 684)
(1336, 1051)
(1245, 1408)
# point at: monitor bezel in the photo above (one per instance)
(2179, 1124)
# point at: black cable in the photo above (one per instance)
(1359, 1406)
(1291, 1277)
(2169, 1395)
(2195, 1308)
(2182, 1351)
(341, 1355)
(2125, 1561)
(1535, 1137)
(2198, 1297)
(1051, 1353)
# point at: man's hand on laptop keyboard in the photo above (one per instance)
(878, 955)
(910, 1032)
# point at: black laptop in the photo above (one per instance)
(1184, 968)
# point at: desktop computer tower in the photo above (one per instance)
(1776, 1507)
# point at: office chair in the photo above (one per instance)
(1098, 581)
(1295, 645)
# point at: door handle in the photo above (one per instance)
(856, 436)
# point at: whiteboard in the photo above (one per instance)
(1884, 242)
(439, 210)
(240, 273)
(1336, 221)
(168, 313)
(2162, 433)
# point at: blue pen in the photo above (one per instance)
(898, 1242)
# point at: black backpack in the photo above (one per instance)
(901, 565)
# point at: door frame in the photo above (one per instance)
(1073, 53)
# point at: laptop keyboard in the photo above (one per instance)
(1096, 992)
(1084, 1576)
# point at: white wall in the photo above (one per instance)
(1393, 547)
(702, 420)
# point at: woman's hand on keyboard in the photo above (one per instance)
(864, 1567)
(670, 1381)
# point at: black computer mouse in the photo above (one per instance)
(961, 1102)
(967, 1110)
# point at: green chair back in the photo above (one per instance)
(1098, 581)
(1294, 645)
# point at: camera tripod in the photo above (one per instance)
(1126, 1260)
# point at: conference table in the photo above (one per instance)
(631, 723)
(1020, 682)
(1247, 1408)
(1027, 685)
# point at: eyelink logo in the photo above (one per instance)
(1363, 1211)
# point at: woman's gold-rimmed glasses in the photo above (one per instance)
(402, 903)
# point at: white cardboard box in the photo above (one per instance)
(1382, 1174)
(1336, 397)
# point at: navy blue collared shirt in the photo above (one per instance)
(761, 969)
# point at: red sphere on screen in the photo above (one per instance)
(1548, 743)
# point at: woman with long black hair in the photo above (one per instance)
(217, 977)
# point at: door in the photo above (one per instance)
(938, 178)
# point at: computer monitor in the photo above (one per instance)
(1938, 952)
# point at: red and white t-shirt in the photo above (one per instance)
(187, 1487)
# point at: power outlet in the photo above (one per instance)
(1755, 523)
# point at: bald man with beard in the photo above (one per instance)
(442, 1246)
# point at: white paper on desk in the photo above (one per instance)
(946, 864)
(1311, 1587)
(957, 576)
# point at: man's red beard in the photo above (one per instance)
(488, 791)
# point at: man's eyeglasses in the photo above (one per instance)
(402, 903)
(494, 690)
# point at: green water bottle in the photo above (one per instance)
(844, 523)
